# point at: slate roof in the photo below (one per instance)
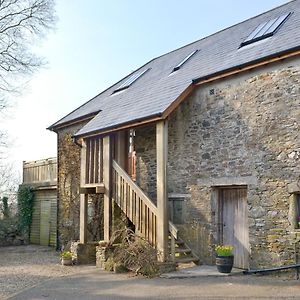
(158, 88)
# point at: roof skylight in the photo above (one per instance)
(127, 83)
(184, 61)
(265, 30)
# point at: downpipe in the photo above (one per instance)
(295, 266)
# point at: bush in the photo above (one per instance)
(134, 253)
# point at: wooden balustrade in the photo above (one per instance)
(138, 207)
(40, 171)
(94, 161)
(135, 204)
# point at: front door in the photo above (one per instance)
(234, 221)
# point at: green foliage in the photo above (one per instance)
(25, 208)
(224, 250)
(5, 208)
(66, 254)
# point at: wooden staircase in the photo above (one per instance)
(142, 212)
(183, 253)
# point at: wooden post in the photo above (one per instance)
(83, 218)
(162, 189)
(83, 163)
(83, 197)
(121, 144)
(107, 180)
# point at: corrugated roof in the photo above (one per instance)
(158, 88)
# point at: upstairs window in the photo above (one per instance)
(184, 61)
(265, 30)
(127, 83)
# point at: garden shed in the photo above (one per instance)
(41, 175)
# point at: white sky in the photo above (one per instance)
(94, 46)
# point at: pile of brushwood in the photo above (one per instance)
(132, 252)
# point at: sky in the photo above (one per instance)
(96, 43)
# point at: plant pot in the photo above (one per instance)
(224, 263)
(66, 261)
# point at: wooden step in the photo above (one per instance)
(182, 250)
(186, 259)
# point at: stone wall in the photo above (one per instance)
(245, 131)
(145, 147)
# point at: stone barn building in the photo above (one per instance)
(199, 146)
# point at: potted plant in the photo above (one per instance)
(66, 258)
(224, 258)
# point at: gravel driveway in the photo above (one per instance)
(33, 266)
(26, 266)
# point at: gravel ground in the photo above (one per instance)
(25, 266)
(34, 272)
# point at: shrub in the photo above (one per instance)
(25, 208)
(134, 253)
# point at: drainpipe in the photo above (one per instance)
(295, 266)
(76, 141)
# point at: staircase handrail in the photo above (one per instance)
(137, 189)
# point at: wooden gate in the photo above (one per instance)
(234, 220)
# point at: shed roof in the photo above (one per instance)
(155, 91)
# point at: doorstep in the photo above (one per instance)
(199, 271)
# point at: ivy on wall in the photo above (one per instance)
(25, 208)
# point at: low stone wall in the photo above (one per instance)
(102, 254)
(84, 254)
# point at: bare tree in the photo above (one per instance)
(22, 24)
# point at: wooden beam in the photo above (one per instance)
(83, 218)
(107, 169)
(162, 189)
(92, 188)
(83, 163)
(249, 67)
(134, 124)
(178, 100)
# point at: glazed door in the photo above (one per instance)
(234, 220)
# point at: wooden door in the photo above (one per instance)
(45, 222)
(234, 218)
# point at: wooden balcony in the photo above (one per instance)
(40, 172)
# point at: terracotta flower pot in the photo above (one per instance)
(66, 261)
(224, 263)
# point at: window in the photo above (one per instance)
(184, 61)
(265, 30)
(127, 83)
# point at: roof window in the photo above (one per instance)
(127, 83)
(184, 61)
(265, 30)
